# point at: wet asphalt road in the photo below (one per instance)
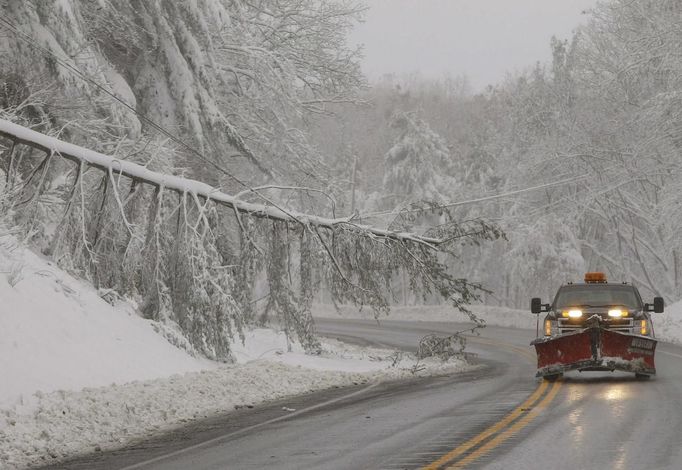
(590, 420)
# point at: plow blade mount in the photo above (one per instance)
(595, 348)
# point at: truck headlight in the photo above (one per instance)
(573, 313)
(617, 313)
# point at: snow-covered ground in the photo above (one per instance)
(78, 374)
(668, 325)
(50, 426)
(56, 333)
(498, 316)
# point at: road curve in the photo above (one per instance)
(498, 416)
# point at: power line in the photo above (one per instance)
(480, 199)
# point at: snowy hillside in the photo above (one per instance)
(56, 333)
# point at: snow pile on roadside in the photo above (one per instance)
(340, 357)
(57, 333)
(668, 325)
(50, 427)
(495, 316)
(271, 345)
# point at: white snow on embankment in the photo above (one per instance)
(78, 375)
(56, 333)
(668, 325)
(494, 316)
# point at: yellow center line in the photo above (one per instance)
(511, 431)
(507, 421)
(490, 431)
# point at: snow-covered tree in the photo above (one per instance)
(596, 131)
(161, 239)
(234, 80)
(417, 165)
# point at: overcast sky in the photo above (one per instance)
(482, 39)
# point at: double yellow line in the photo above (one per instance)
(492, 437)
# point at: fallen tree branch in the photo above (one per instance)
(182, 185)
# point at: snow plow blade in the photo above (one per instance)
(595, 348)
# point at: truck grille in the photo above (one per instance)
(626, 325)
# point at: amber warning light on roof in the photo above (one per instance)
(595, 277)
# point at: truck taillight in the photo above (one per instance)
(643, 328)
(548, 328)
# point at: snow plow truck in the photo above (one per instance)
(595, 326)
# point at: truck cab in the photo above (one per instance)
(593, 326)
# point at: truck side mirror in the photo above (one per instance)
(657, 307)
(536, 305)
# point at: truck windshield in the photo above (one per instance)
(597, 295)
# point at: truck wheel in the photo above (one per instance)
(639, 376)
(552, 377)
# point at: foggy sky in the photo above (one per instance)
(480, 38)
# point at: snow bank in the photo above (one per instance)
(496, 316)
(57, 333)
(54, 426)
(273, 346)
(668, 325)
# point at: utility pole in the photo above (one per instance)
(352, 182)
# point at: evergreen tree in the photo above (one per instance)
(416, 167)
